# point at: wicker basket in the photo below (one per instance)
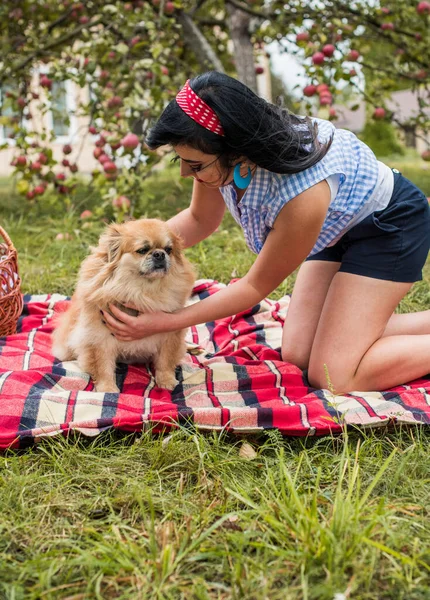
(10, 286)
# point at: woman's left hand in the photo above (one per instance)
(127, 328)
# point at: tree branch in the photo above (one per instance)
(198, 43)
(197, 7)
(42, 50)
(392, 73)
(60, 20)
(254, 13)
(209, 22)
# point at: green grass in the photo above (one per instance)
(187, 515)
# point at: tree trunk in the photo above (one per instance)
(239, 25)
(196, 41)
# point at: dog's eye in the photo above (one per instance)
(168, 250)
(143, 250)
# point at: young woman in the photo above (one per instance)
(304, 193)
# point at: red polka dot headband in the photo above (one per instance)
(198, 110)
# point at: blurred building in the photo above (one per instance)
(405, 106)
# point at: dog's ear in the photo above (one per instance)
(110, 243)
(178, 245)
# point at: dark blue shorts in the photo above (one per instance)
(390, 244)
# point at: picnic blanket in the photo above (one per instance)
(232, 378)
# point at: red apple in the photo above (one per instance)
(84, 20)
(60, 177)
(130, 141)
(121, 202)
(21, 161)
(39, 190)
(302, 37)
(67, 149)
(134, 40)
(65, 162)
(328, 50)
(379, 113)
(332, 113)
(86, 214)
(35, 166)
(100, 142)
(114, 101)
(92, 129)
(30, 194)
(164, 70)
(426, 155)
(385, 10)
(353, 72)
(169, 8)
(322, 87)
(309, 90)
(318, 58)
(103, 158)
(21, 102)
(326, 99)
(353, 55)
(387, 26)
(423, 8)
(74, 168)
(45, 82)
(97, 152)
(109, 167)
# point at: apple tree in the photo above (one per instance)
(132, 56)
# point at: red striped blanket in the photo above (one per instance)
(237, 382)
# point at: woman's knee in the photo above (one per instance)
(296, 356)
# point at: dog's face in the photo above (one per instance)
(145, 248)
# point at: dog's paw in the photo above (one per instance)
(166, 381)
(62, 353)
(107, 387)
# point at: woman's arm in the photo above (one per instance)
(293, 236)
(201, 218)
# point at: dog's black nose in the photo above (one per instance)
(159, 256)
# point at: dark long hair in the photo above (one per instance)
(268, 135)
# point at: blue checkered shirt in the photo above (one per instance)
(268, 192)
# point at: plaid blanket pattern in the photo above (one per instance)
(232, 379)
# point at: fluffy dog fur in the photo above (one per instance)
(137, 262)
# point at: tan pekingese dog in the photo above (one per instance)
(139, 263)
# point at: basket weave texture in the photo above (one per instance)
(10, 286)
